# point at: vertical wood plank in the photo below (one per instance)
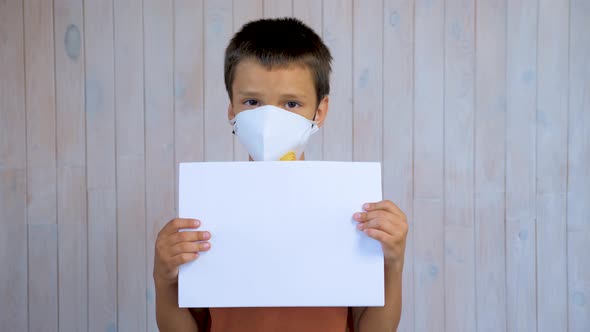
(490, 156)
(552, 104)
(368, 81)
(159, 130)
(310, 13)
(398, 117)
(129, 119)
(337, 34)
(41, 165)
(429, 303)
(101, 166)
(188, 81)
(244, 11)
(521, 165)
(71, 165)
(458, 166)
(40, 103)
(218, 28)
(43, 277)
(13, 159)
(277, 8)
(578, 196)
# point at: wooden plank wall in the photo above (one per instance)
(479, 111)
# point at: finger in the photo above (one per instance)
(366, 216)
(180, 259)
(380, 224)
(189, 247)
(386, 205)
(378, 235)
(188, 236)
(175, 224)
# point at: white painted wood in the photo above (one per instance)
(337, 35)
(42, 272)
(459, 245)
(101, 166)
(521, 78)
(130, 146)
(398, 130)
(218, 31)
(578, 186)
(13, 163)
(71, 165)
(159, 131)
(278, 8)
(552, 115)
(367, 81)
(41, 166)
(428, 166)
(490, 165)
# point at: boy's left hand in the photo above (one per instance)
(385, 222)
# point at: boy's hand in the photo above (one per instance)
(386, 223)
(174, 248)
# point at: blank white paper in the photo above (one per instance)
(282, 234)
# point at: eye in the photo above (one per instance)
(251, 102)
(292, 104)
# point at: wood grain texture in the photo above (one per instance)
(277, 8)
(71, 165)
(43, 298)
(41, 166)
(337, 35)
(159, 131)
(188, 81)
(428, 137)
(398, 130)
(218, 31)
(130, 156)
(367, 81)
(490, 165)
(101, 166)
(552, 116)
(459, 244)
(13, 165)
(521, 287)
(578, 185)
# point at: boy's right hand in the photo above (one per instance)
(174, 248)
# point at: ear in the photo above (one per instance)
(322, 111)
(230, 112)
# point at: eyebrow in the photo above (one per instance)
(248, 93)
(293, 96)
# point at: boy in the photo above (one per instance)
(277, 77)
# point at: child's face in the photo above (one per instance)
(291, 88)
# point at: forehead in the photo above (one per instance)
(251, 74)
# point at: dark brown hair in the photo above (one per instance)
(280, 42)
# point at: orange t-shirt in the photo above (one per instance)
(283, 319)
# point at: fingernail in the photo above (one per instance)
(206, 235)
(366, 206)
(206, 245)
(360, 226)
(357, 216)
(196, 223)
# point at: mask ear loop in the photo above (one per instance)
(232, 122)
(313, 120)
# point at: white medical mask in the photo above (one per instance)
(270, 133)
